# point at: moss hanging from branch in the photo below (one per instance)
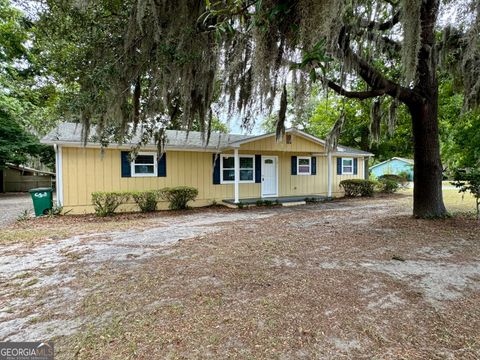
(334, 134)
(392, 117)
(375, 120)
(280, 125)
(155, 63)
(411, 32)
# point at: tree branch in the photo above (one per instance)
(372, 76)
(362, 95)
(391, 44)
(373, 25)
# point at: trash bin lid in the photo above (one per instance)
(40, 189)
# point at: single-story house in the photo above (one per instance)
(19, 178)
(395, 165)
(230, 168)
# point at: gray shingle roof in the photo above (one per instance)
(71, 133)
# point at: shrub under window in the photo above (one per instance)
(105, 203)
(358, 187)
(178, 197)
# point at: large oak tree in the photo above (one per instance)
(145, 62)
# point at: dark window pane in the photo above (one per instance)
(228, 175)
(144, 169)
(228, 162)
(268, 161)
(144, 159)
(304, 169)
(304, 161)
(246, 163)
(246, 175)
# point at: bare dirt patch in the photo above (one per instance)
(347, 279)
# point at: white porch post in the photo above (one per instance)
(237, 175)
(329, 180)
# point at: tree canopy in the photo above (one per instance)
(130, 63)
(21, 98)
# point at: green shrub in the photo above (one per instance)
(357, 187)
(388, 186)
(146, 200)
(468, 181)
(406, 175)
(178, 197)
(105, 203)
(400, 180)
(267, 202)
(57, 210)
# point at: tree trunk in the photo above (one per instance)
(428, 172)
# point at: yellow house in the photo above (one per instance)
(229, 169)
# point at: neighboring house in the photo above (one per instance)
(395, 165)
(298, 166)
(17, 178)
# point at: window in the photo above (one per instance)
(304, 166)
(145, 164)
(247, 169)
(347, 166)
(289, 138)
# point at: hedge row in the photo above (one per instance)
(360, 187)
(106, 203)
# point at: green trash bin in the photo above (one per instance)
(42, 200)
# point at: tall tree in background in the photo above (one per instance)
(144, 62)
(21, 102)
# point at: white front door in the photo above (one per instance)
(269, 176)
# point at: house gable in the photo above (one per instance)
(290, 143)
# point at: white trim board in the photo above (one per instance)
(59, 176)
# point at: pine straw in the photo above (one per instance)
(288, 286)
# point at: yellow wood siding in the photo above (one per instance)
(298, 144)
(86, 170)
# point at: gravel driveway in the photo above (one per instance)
(12, 205)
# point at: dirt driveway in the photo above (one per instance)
(12, 205)
(356, 279)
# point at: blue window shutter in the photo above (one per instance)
(355, 166)
(314, 165)
(216, 168)
(162, 165)
(294, 165)
(258, 169)
(339, 166)
(126, 169)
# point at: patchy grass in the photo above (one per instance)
(455, 202)
(31, 282)
(50, 228)
(346, 279)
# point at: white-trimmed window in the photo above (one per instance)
(247, 169)
(145, 164)
(304, 165)
(347, 166)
